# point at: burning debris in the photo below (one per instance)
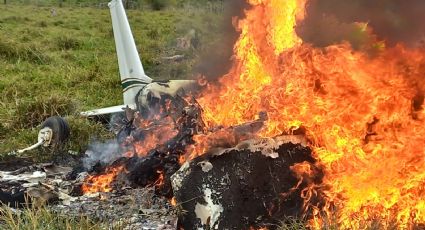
(291, 130)
(101, 183)
(125, 207)
(359, 110)
(152, 165)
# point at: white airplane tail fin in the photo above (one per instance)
(133, 77)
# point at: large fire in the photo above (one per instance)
(363, 115)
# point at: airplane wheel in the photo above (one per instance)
(58, 130)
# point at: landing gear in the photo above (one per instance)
(53, 133)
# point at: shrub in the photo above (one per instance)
(68, 43)
(158, 4)
(34, 55)
(83, 131)
(7, 50)
(30, 114)
(14, 52)
(3, 131)
(58, 23)
(43, 24)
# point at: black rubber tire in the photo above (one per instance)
(60, 130)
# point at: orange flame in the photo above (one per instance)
(101, 183)
(173, 201)
(364, 116)
(160, 181)
(261, 228)
(204, 143)
(156, 132)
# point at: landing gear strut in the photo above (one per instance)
(53, 133)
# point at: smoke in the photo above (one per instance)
(103, 153)
(363, 23)
(216, 59)
(394, 21)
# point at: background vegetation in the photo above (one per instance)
(61, 60)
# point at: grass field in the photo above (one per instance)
(65, 63)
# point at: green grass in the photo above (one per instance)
(64, 64)
(41, 218)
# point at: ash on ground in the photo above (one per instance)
(128, 209)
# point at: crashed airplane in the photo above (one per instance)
(140, 92)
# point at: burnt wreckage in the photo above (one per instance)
(238, 180)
